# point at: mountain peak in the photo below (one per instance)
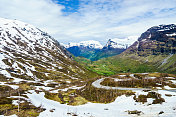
(156, 40)
(92, 44)
(163, 31)
(121, 43)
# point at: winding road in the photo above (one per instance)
(97, 84)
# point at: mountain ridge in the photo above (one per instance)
(154, 51)
(93, 50)
(26, 52)
(156, 40)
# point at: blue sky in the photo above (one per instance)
(70, 5)
(78, 20)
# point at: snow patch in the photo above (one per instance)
(91, 44)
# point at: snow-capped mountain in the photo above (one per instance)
(162, 30)
(93, 50)
(156, 40)
(92, 44)
(117, 43)
(29, 53)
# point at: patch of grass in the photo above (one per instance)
(79, 101)
(25, 109)
(53, 96)
(24, 87)
(141, 98)
(158, 101)
(5, 100)
(134, 112)
(120, 64)
(3, 78)
(156, 96)
(68, 97)
(134, 83)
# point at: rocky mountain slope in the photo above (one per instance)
(27, 52)
(156, 46)
(154, 51)
(31, 62)
(156, 40)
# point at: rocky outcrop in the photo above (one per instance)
(156, 40)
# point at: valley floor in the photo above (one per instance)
(158, 99)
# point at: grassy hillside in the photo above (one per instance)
(94, 54)
(118, 64)
(106, 53)
(130, 63)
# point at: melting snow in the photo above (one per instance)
(116, 108)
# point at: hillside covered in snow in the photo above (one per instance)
(26, 51)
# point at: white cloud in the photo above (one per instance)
(95, 19)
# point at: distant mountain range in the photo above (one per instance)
(120, 43)
(154, 51)
(91, 44)
(93, 50)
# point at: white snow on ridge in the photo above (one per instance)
(2, 64)
(121, 43)
(113, 43)
(21, 40)
(170, 35)
(91, 44)
(27, 33)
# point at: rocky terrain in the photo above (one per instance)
(156, 40)
(156, 46)
(39, 77)
(32, 61)
(29, 53)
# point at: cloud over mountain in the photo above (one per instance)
(92, 19)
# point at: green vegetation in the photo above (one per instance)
(170, 66)
(150, 80)
(94, 54)
(25, 109)
(117, 64)
(130, 63)
(134, 112)
(69, 97)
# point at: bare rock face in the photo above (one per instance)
(156, 40)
